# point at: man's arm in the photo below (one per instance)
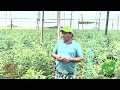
(56, 57)
(76, 59)
(66, 59)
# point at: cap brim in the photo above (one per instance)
(65, 31)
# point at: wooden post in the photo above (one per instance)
(96, 21)
(82, 22)
(11, 23)
(78, 22)
(99, 20)
(112, 24)
(107, 19)
(11, 20)
(118, 22)
(42, 25)
(71, 20)
(38, 19)
(58, 24)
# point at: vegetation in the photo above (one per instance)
(24, 56)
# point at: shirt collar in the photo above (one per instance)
(67, 43)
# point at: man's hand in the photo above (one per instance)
(59, 58)
(67, 59)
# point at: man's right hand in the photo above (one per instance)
(56, 56)
(59, 58)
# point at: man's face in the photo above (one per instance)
(66, 36)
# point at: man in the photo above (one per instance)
(67, 52)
